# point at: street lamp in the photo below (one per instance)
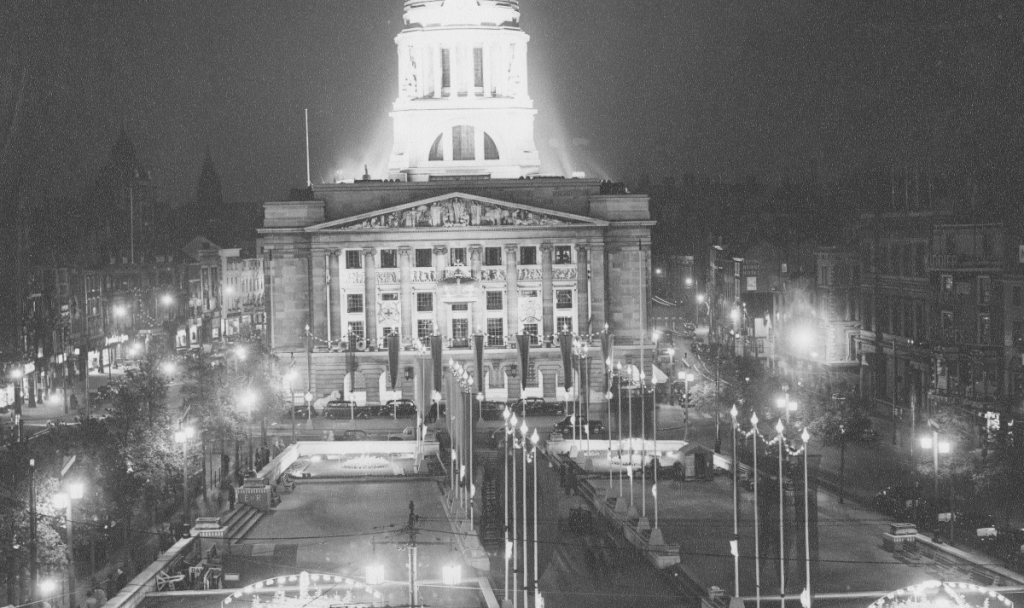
(63, 500)
(939, 446)
(806, 437)
(182, 437)
(537, 600)
(526, 587)
(375, 574)
(505, 414)
(735, 503)
(786, 404)
(513, 421)
(781, 438)
(309, 407)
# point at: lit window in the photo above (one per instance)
(446, 72)
(355, 328)
(495, 332)
(564, 324)
(531, 330)
(353, 259)
(389, 297)
(460, 306)
(528, 256)
(563, 298)
(460, 329)
(492, 256)
(457, 256)
(424, 328)
(355, 303)
(563, 255)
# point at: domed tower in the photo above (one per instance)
(462, 106)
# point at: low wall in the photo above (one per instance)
(136, 590)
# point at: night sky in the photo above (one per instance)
(665, 87)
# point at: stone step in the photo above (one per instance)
(240, 532)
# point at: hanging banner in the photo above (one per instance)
(478, 348)
(565, 345)
(523, 343)
(393, 345)
(435, 360)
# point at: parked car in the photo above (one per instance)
(492, 410)
(899, 502)
(352, 435)
(302, 411)
(565, 427)
(407, 434)
(339, 410)
(536, 406)
(400, 408)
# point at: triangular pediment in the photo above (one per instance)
(457, 210)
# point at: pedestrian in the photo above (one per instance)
(74, 401)
(101, 596)
(122, 579)
(90, 599)
(231, 497)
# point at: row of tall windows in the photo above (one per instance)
(493, 256)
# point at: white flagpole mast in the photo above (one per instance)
(309, 182)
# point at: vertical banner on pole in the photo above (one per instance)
(393, 345)
(565, 345)
(435, 360)
(607, 343)
(523, 343)
(478, 348)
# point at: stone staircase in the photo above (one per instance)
(232, 527)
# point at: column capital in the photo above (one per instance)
(440, 250)
(369, 251)
(582, 247)
(405, 251)
(511, 249)
(476, 249)
(546, 247)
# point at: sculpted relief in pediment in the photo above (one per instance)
(456, 212)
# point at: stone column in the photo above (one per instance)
(440, 263)
(370, 295)
(317, 290)
(408, 306)
(599, 297)
(333, 286)
(582, 312)
(547, 293)
(479, 307)
(512, 288)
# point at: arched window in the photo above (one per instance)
(490, 150)
(437, 150)
(463, 146)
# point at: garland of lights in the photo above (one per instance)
(780, 436)
(916, 596)
(319, 584)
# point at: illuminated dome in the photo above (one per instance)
(449, 12)
(463, 108)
